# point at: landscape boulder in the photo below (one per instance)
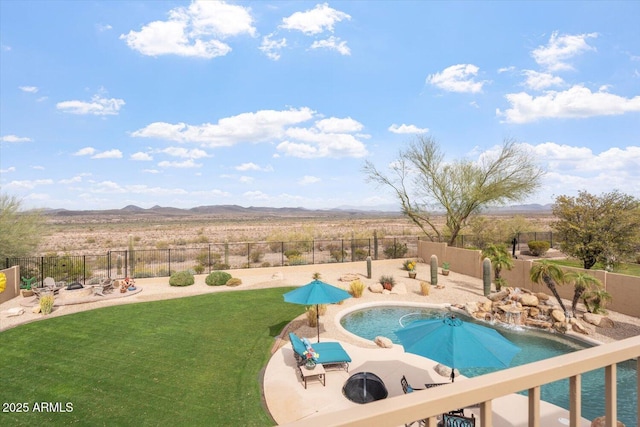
(383, 342)
(592, 318)
(499, 296)
(376, 288)
(529, 300)
(445, 371)
(558, 316)
(542, 296)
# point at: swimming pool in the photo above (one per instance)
(535, 344)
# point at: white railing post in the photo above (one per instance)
(534, 406)
(611, 396)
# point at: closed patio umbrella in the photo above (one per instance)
(457, 344)
(315, 293)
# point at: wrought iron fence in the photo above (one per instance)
(143, 263)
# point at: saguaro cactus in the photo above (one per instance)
(368, 267)
(434, 270)
(486, 276)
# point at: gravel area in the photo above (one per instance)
(456, 289)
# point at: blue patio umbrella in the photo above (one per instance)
(457, 344)
(315, 293)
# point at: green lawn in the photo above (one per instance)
(624, 268)
(189, 361)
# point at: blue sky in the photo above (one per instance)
(279, 103)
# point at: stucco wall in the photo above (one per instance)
(13, 284)
(624, 290)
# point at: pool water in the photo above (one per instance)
(535, 344)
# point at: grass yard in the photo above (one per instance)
(629, 269)
(189, 361)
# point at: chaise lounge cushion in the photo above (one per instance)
(328, 352)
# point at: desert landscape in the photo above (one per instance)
(96, 232)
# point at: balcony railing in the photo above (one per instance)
(482, 390)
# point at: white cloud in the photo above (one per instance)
(29, 89)
(263, 125)
(332, 43)
(457, 78)
(152, 171)
(576, 102)
(14, 138)
(255, 195)
(195, 31)
(76, 179)
(183, 152)
(336, 125)
(271, 47)
(506, 69)
(394, 128)
(561, 48)
(27, 184)
(253, 167)
(86, 151)
(38, 167)
(187, 164)
(8, 170)
(246, 179)
(103, 27)
(140, 156)
(538, 81)
(315, 21)
(308, 179)
(98, 106)
(110, 154)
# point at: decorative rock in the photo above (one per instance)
(499, 296)
(534, 311)
(383, 342)
(577, 327)
(349, 277)
(445, 371)
(607, 323)
(542, 296)
(399, 289)
(36, 309)
(558, 316)
(471, 307)
(592, 318)
(601, 422)
(538, 323)
(529, 300)
(561, 327)
(376, 288)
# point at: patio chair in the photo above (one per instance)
(450, 420)
(330, 354)
(406, 387)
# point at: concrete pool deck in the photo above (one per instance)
(284, 395)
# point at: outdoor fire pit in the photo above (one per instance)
(364, 387)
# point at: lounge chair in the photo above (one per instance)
(450, 420)
(330, 354)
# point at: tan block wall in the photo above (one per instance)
(625, 290)
(12, 289)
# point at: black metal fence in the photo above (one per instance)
(520, 240)
(142, 263)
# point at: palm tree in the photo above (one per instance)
(596, 299)
(581, 282)
(500, 258)
(551, 275)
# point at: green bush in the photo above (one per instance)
(181, 278)
(397, 250)
(292, 253)
(217, 278)
(538, 247)
(199, 268)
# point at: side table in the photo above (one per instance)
(318, 372)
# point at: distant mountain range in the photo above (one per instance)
(235, 210)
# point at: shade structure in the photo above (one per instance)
(315, 293)
(457, 344)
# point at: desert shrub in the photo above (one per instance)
(234, 281)
(46, 304)
(199, 268)
(180, 242)
(297, 260)
(338, 255)
(143, 274)
(265, 264)
(181, 278)
(162, 245)
(356, 288)
(256, 256)
(219, 265)
(292, 253)
(201, 239)
(203, 258)
(396, 250)
(91, 239)
(217, 278)
(361, 254)
(163, 272)
(312, 316)
(538, 247)
(425, 287)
